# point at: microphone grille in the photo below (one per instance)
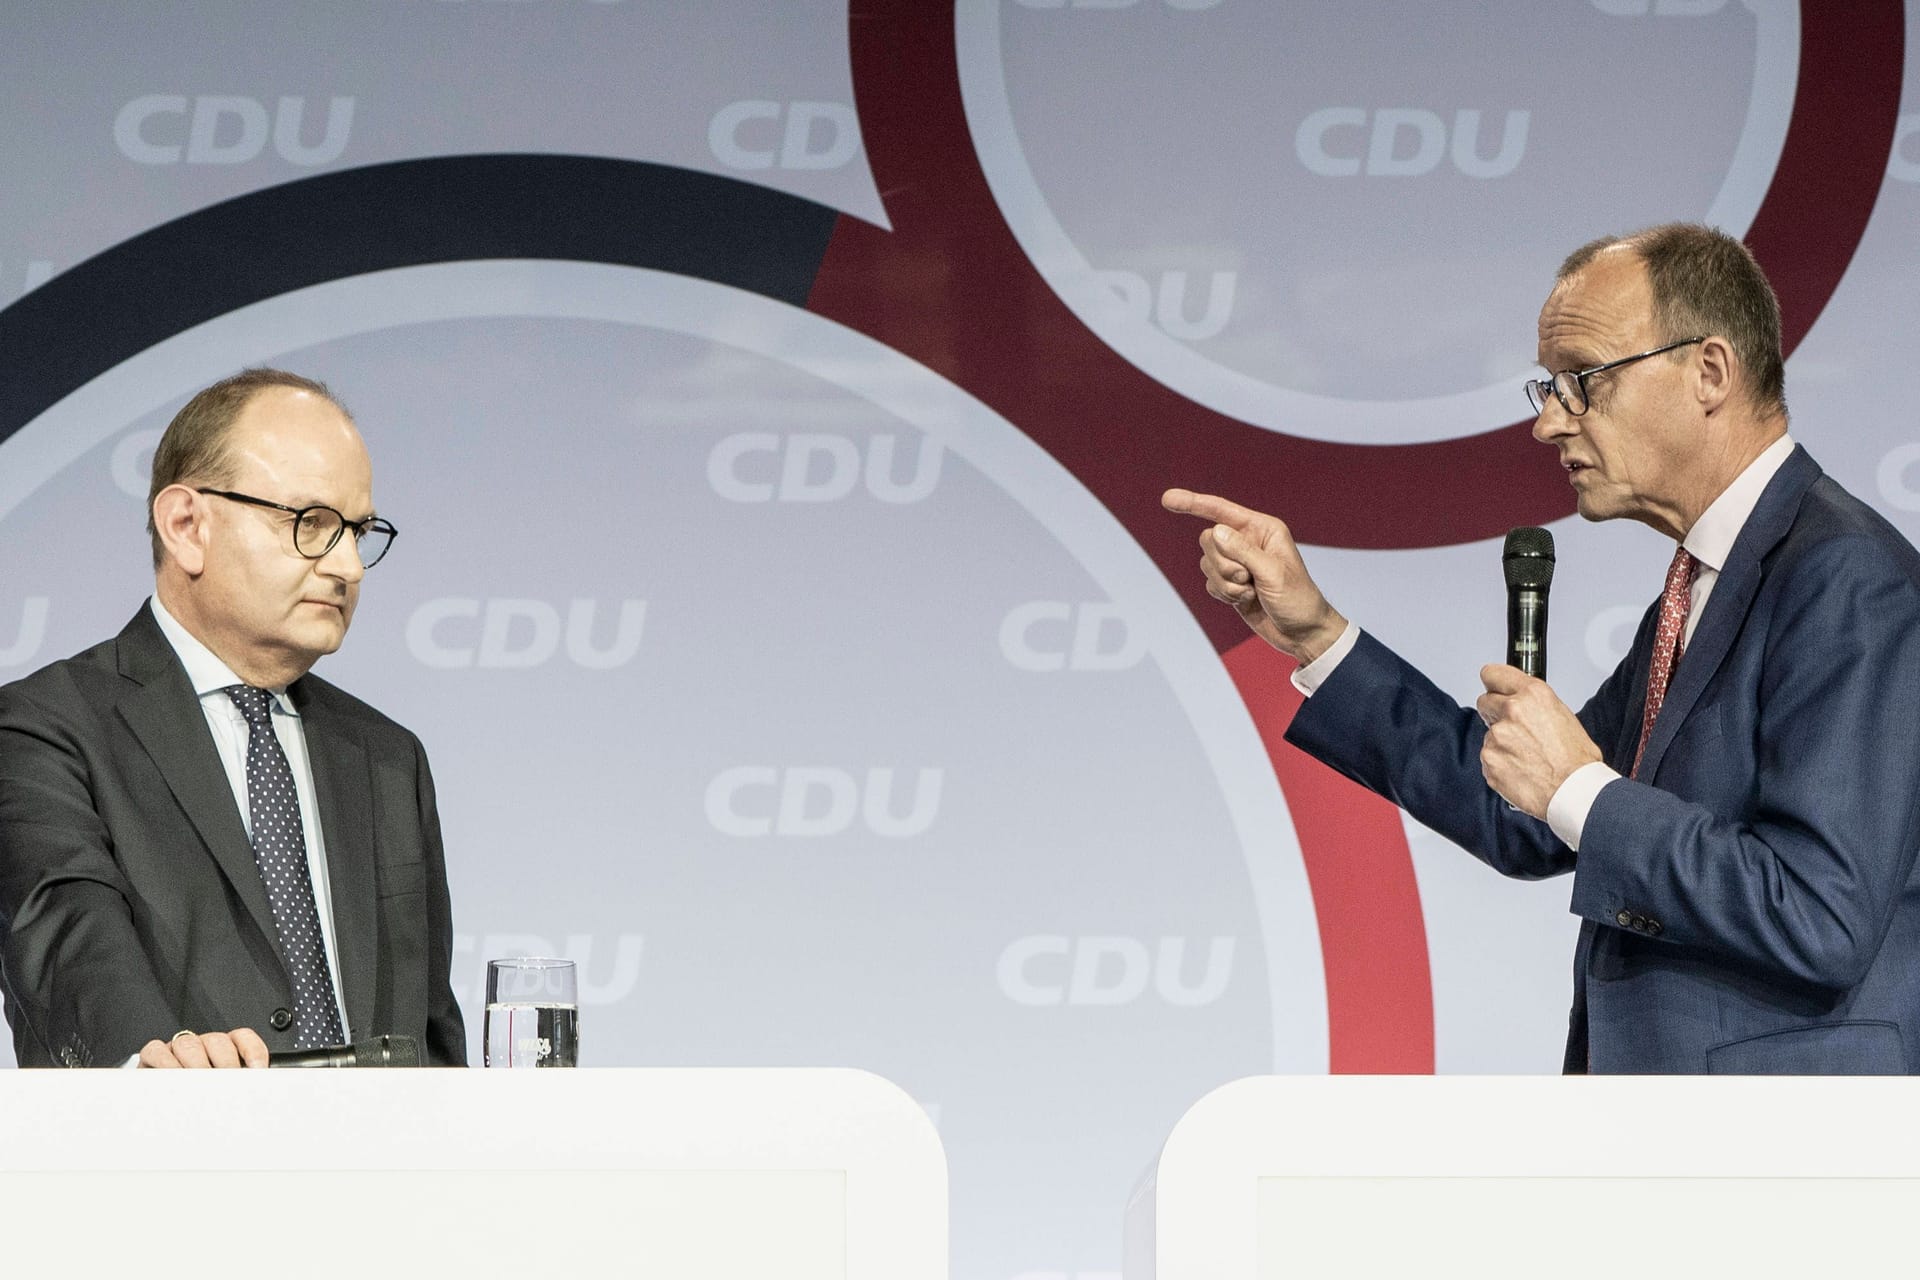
(1528, 558)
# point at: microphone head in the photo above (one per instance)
(1528, 558)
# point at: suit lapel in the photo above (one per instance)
(343, 787)
(1732, 599)
(165, 716)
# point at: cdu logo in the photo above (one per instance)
(1405, 142)
(1190, 6)
(1659, 8)
(28, 636)
(35, 273)
(1609, 634)
(802, 800)
(1896, 475)
(1053, 635)
(762, 134)
(131, 462)
(1053, 969)
(169, 128)
(1904, 164)
(470, 954)
(1167, 307)
(455, 633)
(759, 466)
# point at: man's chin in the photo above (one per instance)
(323, 636)
(1592, 506)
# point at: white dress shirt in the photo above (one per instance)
(1710, 541)
(209, 677)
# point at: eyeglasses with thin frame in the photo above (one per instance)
(316, 529)
(1569, 386)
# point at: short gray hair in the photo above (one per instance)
(1705, 282)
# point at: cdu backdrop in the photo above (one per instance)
(774, 403)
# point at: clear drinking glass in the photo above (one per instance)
(532, 1013)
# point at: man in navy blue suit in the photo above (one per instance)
(1739, 802)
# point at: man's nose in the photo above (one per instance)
(1553, 422)
(343, 560)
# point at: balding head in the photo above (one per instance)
(1704, 281)
(196, 447)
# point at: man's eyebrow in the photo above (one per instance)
(1576, 359)
(310, 501)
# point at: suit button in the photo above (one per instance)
(281, 1019)
(1624, 919)
(1653, 928)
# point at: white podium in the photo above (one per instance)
(1529, 1176)
(694, 1175)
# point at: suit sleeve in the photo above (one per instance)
(446, 1030)
(1798, 878)
(1396, 733)
(75, 972)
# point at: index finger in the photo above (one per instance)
(253, 1050)
(1207, 506)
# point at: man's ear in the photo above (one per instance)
(180, 516)
(1716, 371)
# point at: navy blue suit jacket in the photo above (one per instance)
(1750, 903)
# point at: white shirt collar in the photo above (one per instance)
(1712, 536)
(204, 669)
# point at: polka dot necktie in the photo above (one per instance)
(280, 849)
(1675, 601)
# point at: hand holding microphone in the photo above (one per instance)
(1534, 741)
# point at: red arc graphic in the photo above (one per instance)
(950, 287)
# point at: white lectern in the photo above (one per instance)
(1527, 1176)
(695, 1175)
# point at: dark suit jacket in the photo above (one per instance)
(130, 904)
(1750, 904)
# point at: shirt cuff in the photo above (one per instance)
(1310, 677)
(1567, 811)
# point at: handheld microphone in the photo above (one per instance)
(381, 1051)
(1528, 564)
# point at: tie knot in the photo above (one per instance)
(1680, 572)
(255, 704)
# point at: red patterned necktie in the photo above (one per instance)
(1675, 601)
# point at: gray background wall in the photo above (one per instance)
(779, 593)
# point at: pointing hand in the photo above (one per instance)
(1250, 562)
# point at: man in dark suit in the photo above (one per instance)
(206, 853)
(1737, 803)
